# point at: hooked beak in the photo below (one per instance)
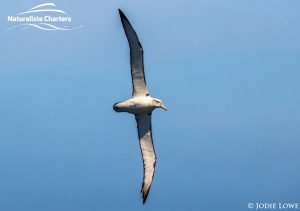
(164, 107)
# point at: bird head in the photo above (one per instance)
(159, 104)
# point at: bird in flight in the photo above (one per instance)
(141, 105)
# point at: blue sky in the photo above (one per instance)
(228, 71)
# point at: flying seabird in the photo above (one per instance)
(141, 105)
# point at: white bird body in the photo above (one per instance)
(141, 105)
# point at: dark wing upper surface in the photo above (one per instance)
(148, 152)
(136, 59)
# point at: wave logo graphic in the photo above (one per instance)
(44, 17)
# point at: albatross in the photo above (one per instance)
(141, 105)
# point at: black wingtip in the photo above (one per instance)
(145, 195)
(121, 14)
(145, 198)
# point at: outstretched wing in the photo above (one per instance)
(139, 86)
(148, 152)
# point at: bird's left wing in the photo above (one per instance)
(139, 86)
(148, 153)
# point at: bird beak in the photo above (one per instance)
(164, 107)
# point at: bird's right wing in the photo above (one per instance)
(148, 153)
(139, 86)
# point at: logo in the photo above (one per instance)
(44, 17)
